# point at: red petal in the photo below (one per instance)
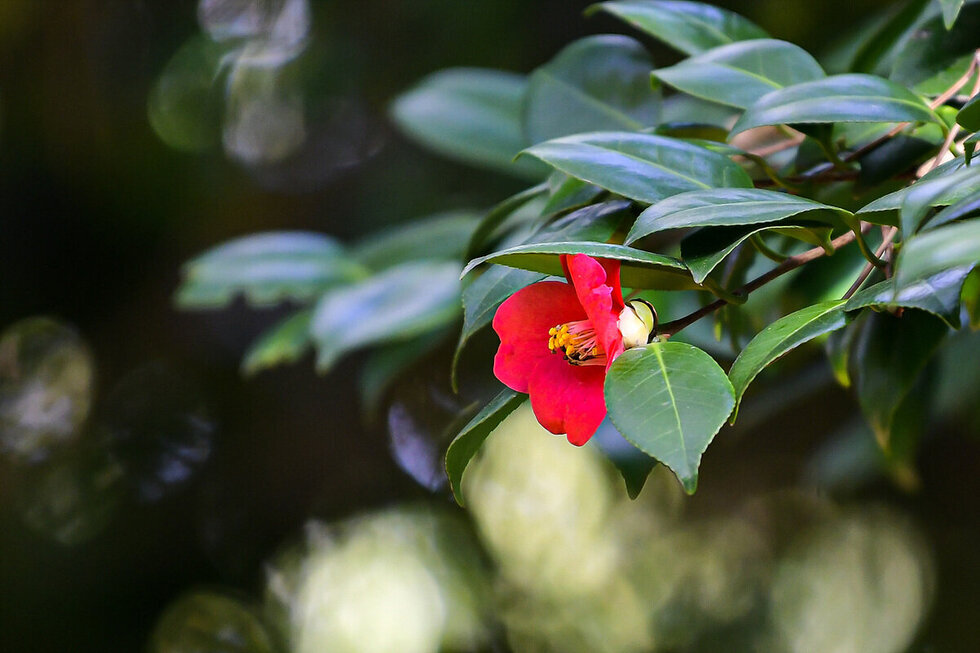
(568, 399)
(522, 322)
(597, 286)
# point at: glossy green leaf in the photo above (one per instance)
(643, 167)
(266, 268)
(465, 445)
(740, 73)
(596, 83)
(669, 399)
(633, 465)
(926, 193)
(893, 201)
(969, 146)
(397, 304)
(482, 296)
(681, 107)
(638, 269)
(691, 27)
(438, 237)
(703, 250)
(498, 215)
(937, 250)
(726, 207)
(286, 342)
(469, 114)
(889, 354)
(951, 9)
(967, 207)
(841, 98)
(569, 193)
(932, 50)
(938, 294)
(969, 115)
(781, 336)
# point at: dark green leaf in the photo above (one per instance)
(889, 354)
(971, 298)
(940, 249)
(633, 465)
(669, 399)
(740, 73)
(687, 108)
(470, 439)
(386, 363)
(569, 193)
(932, 50)
(497, 215)
(726, 207)
(640, 166)
(951, 9)
(893, 201)
(597, 83)
(694, 132)
(703, 250)
(875, 50)
(691, 27)
(965, 208)
(266, 268)
(926, 193)
(639, 269)
(397, 304)
(969, 115)
(781, 336)
(438, 237)
(841, 98)
(938, 294)
(469, 114)
(286, 342)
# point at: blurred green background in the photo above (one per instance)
(100, 210)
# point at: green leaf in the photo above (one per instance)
(703, 250)
(687, 108)
(568, 193)
(397, 304)
(926, 193)
(439, 237)
(482, 296)
(669, 399)
(894, 201)
(596, 83)
(691, 27)
(841, 98)
(937, 250)
(286, 342)
(726, 207)
(639, 269)
(890, 353)
(873, 52)
(386, 363)
(932, 50)
(497, 215)
(267, 268)
(633, 465)
(781, 336)
(938, 294)
(465, 445)
(740, 73)
(469, 114)
(971, 298)
(951, 9)
(640, 166)
(967, 207)
(969, 115)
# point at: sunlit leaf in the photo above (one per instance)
(469, 114)
(639, 269)
(727, 207)
(267, 268)
(643, 167)
(596, 83)
(938, 294)
(940, 249)
(691, 27)
(470, 439)
(740, 73)
(438, 237)
(841, 98)
(397, 304)
(669, 399)
(951, 9)
(286, 342)
(781, 336)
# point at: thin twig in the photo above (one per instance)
(790, 264)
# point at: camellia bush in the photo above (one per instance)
(685, 227)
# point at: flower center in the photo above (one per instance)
(577, 343)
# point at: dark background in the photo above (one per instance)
(97, 215)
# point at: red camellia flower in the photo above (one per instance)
(557, 340)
